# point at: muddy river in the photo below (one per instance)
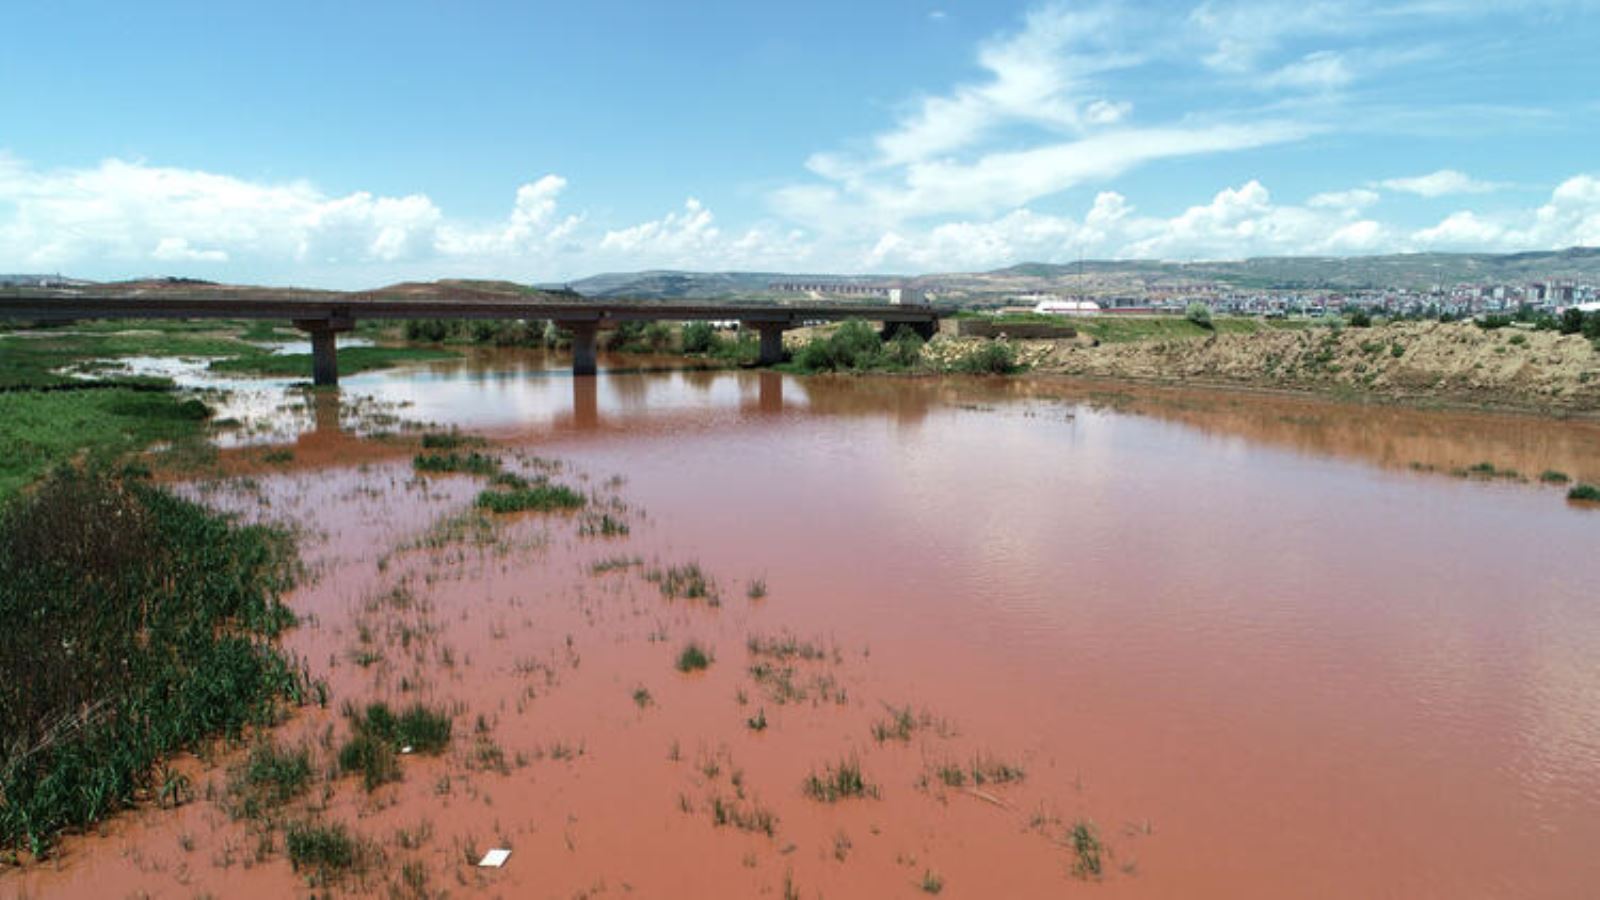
(1080, 639)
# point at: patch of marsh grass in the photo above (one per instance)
(840, 782)
(471, 463)
(693, 658)
(537, 496)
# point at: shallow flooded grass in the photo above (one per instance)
(693, 658)
(271, 776)
(840, 782)
(540, 497)
(472, 463)
(377, 736)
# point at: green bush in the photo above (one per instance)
(1359, 318)
(1198, 313)
(993, 358)
(1585, 492)
(699, 337)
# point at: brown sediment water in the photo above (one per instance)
(1268, 647)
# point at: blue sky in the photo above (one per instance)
(349, 144)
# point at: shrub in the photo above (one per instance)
(854, 346)
(1359, 318)
(699, 337)
(1199, 314)
(1587, 493)
(1494, 321)
(992, 358)
(1571, 321)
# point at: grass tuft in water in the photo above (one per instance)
(472, 463)
(539, 496)
(839, 782)
(1084, 839)
(377, 735)
(693, 658)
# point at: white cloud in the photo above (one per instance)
(1439, 184)
(1320, 71)
(177, 248)
(122, 218)
(1351, 201)
(1036, 76)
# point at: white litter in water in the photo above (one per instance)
(494, 859)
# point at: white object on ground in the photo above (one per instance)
(406, 749)
(494, 859)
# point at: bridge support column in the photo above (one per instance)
(583, 347)
(324, 348)
(771, 352)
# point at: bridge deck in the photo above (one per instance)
(68, 303)
(323, 313)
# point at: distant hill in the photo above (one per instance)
(1405, 270)
(1120, 277)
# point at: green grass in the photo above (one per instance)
(1084, 839)
(539, 496)
(472, 463)
(688, 582)
(327, 851)
(840, 782)
(450, 440)
(140, 626)
(693, 658)
(1553, 476)
(41, 429)
(352, 360)
(377, 735)
(271, 776)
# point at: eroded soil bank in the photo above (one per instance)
(1405, 362)
(1192, 644)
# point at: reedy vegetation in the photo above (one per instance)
(138, 625)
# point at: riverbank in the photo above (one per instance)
(1413, 363)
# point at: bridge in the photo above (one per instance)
(325, 314)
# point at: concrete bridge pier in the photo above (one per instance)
(324, 347)
(771, 352)
(583, 347)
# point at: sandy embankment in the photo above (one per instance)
(1453, 363)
